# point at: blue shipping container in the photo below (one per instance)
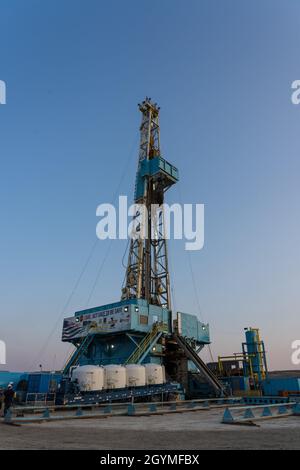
(46, 382)
(6, 377)
(275, 386)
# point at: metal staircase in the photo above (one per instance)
(201, 366)
(147, 343)
(74, 357)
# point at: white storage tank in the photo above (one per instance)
(136, 375)
(115, 376)
(155, 374)
(89, 377)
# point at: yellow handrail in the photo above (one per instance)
(146, 341)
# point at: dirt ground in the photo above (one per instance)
(196, 430)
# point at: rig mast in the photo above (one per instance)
(147, 274)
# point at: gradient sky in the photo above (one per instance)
(222, 73)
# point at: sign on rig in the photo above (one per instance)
(103, 321)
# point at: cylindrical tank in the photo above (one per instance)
(136, 375)
(255, 351)
(89, 378)
(155, 374)
(115, 376)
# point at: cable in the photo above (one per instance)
(195, 287)
(191, 267)
(127, 245)
(116, 194)
(99, 273)
(124, 265)
(193, 278)
(197, 300)
(172, 275)
(62, 313)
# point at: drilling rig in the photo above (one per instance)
(140, 328)
(147, 275)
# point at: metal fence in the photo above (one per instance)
(40, 399)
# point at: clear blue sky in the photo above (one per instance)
(221, 72)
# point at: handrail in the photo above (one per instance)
(157, 329)
(73, 358)
(210, 376)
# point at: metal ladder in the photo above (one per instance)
(144, 347)
(74, 357)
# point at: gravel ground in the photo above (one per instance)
(193, 430)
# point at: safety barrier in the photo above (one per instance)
(38, 399)
(246, 414)
(29, 414)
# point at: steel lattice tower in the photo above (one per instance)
(147, 274)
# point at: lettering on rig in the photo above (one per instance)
(2, 92)
(2, 352)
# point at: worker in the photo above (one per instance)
(9, 395)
